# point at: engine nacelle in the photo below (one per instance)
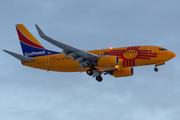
(108, 61)
(123, 72)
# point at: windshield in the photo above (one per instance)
(162, 49)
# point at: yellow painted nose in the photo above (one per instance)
(171, 54)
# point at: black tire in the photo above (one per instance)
(89, 72)
(99, 78)
(155, 69)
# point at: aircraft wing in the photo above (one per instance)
(20, 57)
(83, 57)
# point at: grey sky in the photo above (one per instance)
(32, 94)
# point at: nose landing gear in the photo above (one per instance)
(158, 64)
(155, 69)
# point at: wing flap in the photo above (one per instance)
(20, 57)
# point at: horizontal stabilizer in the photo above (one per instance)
(20, 57)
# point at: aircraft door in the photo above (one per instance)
(150, 51)
(47, 61)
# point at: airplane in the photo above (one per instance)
(118, 62)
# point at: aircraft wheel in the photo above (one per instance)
(99, 78)
(89, 72)
(155, 69)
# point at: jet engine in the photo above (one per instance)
(123, 72)
(106, 61)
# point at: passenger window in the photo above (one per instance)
(132, 51)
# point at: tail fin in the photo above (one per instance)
(29, 44)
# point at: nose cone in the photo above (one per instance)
(171, 54)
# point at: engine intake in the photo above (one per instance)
(108, 61)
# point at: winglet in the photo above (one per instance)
(55, 42)
(41, 34)
(20, 57)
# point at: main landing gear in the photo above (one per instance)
(99, 78)
(96, 74)
(89, 72)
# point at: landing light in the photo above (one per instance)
(116, 66)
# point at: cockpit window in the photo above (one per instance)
(162, 49)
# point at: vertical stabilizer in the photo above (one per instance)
(30, 45)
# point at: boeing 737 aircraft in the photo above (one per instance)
(118, 62)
